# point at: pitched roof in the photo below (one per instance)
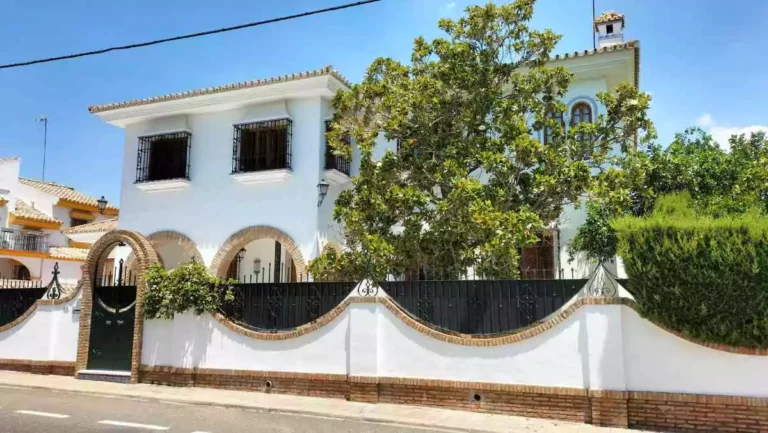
(24, 210)
(609, 16)
(326, 71)
(94, 227)
(64, 192)
(69, 253)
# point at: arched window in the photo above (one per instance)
(581, 112)
(548, 132)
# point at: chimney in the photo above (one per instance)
(610, 29)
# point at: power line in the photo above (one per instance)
(190, 35)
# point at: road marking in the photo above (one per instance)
(46, 414)
(134, 425)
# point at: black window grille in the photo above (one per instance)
(336, 162)
(163, 157)
(262, 146)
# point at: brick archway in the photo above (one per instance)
(145, 256)
(169, 236)
(234, 243)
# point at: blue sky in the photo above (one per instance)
(702, 60)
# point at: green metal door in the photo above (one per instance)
(112, 322)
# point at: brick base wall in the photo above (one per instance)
(638, 410)
(60, 368)
(696, 413)
(537, 405)
(314, 385)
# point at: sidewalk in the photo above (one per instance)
(330, 408)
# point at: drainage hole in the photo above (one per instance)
(477, 397)
(268, 384)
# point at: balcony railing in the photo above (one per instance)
(334, 162)
(20, 240)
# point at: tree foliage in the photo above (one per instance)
(702, 276)
(188, 287)
(719, 183)
(472, 182)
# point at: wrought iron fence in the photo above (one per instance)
(262, 146)
(281, 306)
(482, 307)
(16, 296)
(22, 240)
(163, 157)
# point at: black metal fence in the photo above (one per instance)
(22, 240)
(281, 306)
(16, 297)
(334, 162)
(163, 157)
(482, 307)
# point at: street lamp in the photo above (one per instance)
(44, 121)
(322, 191)
(102, 204)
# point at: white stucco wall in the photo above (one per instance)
(49, 333)
(200, 341)
(656, 360)
(554, 358)
(216, 205)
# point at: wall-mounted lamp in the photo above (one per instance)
(102, 204)
(322, 191)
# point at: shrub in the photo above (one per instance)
(704, 277)
(188, 287)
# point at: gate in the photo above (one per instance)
(112, 320)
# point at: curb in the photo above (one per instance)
(300, 412)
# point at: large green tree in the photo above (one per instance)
(718, 182)
(471, 182)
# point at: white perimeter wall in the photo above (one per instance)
(49, 334)
(200, 341)
(598, 347)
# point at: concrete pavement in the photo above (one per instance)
(404, 417)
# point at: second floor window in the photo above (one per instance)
(163, 157)
(548, 132)
(262, 146)
(581, 112)
(335, 162)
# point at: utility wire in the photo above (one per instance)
(190, 35)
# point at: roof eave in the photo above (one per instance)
(324, 86)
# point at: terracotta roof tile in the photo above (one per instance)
(24, 210)
(63, 192)
(69, 253)
(618, 47)
(94, 227)
(609, 16)
(328, 70)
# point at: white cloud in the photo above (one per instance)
(447, 8)
(721, 133)
(705, 120)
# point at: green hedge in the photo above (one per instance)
(706, 278)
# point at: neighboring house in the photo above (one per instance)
(236, 175)
(34, 218)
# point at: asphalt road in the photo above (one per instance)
(43, 411)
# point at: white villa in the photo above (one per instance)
(38, 225)
(236, 175)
